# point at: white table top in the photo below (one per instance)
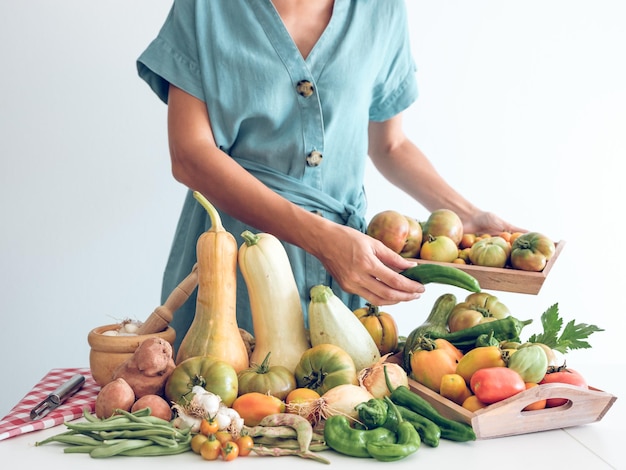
(595, 446)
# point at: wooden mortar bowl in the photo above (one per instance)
(108, 352)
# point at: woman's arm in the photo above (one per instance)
(359, 263)
(405, 166)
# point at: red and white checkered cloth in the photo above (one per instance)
(18, 420)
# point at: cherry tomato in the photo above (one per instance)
(197, 441)
(245, 444)
(494, 384)
(223, 436)
(211, 449)
(230, 451)
(209, 426)
(564, 375)
(537, 405)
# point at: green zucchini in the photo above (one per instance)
(436, 323)
(441, 274)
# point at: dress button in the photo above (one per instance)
(305, 88)
(314, 158)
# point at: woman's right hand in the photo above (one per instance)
(364, 266)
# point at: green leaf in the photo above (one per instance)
(571, 337)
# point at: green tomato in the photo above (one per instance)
(478, 307)
(209, 372)
(530, 362)
(440, 248)
(278, 381)
(531, 251)
(492, 252)
(325, 366)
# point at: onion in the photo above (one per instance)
(339, 400)
(373, 378)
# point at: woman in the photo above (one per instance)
(273, 108)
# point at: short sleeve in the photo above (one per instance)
(396, 84)
(172, 57)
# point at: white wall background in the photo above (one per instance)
(522, 108)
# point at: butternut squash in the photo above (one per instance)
(331, 321)
(214, 330)
(277, 316)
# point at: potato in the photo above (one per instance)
(117, 394)
(157, 404)
(147, 370)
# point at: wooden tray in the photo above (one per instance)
(507, 418)
(506, 279)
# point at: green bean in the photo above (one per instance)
(79, 449)
(70, 438)
(155, 450)
(109, 450)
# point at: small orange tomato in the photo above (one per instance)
(223, 436)
(229, 451)
(467, 240)
(244, 443)
(197, 441)
(454, 388)
(506, 236)
(208, 426)
(472, 403)
(254, 406)
(514, 237)
(537, 405)
(211, 449)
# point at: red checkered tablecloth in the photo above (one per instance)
(18, 420)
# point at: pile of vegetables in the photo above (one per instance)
(285, 390)
(471, 352)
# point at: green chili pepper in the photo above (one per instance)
(407, 442)
(429, 432)
(504, 329)
(375, 413)
(343, 438)
(486, 339)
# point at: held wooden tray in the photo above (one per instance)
(506, 279)
(507, 418)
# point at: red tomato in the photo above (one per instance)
(391, 228)
(444, 222)
(493, 384)
(562, 375)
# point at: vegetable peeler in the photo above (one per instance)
(56, 398)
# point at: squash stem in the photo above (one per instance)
(321, 293)
(250, 238)
(216, 221)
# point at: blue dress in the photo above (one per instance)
(299, 125)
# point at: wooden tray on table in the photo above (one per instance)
(507, 418)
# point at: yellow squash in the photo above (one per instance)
(214, 330)
(277, 316)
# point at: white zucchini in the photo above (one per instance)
(277, 316)
(331, 321)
